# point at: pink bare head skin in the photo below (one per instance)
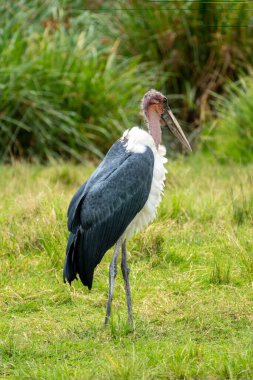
(154, 104)
(158, 114)
(154, 101)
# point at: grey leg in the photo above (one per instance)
(125, 272)
(112, 275)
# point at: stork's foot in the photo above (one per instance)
(112, 275)
(106, 319)
(125, 272)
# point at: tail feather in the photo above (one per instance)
(85, 265)
(76, 260)
(69, 271)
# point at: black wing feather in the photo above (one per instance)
(105, 205)
(114, 158)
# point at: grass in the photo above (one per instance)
(213, 38)
(72, 73)
(230, 136)
(191, 278)
(65, 89)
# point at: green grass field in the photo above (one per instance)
(191, 278)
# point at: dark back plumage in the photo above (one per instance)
(104, 206)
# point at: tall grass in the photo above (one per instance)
(72, 73)
(230, 137)
(63, 90)
(200, 43)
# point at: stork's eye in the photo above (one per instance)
(165, 101)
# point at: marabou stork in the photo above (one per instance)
(120, 198)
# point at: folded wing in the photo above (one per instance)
(104, 206)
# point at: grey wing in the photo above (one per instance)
(73, 210)
(112, 204)
(113, 159)
(110, 200)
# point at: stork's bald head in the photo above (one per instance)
(154, 101)
(158, 113)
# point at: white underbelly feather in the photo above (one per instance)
(138, 139)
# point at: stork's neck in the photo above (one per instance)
(154, 127)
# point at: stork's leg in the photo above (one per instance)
(125, 272)
(112, 275)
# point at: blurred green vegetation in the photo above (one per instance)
(72, 73)
(230, 136)
(62, 90)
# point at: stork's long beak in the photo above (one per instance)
(175, 128)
